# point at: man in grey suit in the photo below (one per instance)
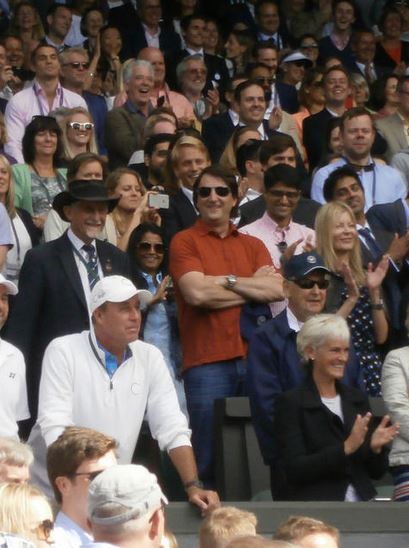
(395, 127)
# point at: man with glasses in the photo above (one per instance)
(274, 365)
(216, 270)
(74, 76)
(276, 228)
(45, 94)
(76, 457)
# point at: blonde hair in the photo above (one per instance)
(325, 221)
(174, 156)
(37, 30)
(114, 178)
(15, 507)
(225, 523)
(92, 145)
(318, 329)
(9, 203)
(298, 527)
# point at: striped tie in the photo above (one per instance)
(92, 265)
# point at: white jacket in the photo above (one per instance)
(395, 390)
(75, 389)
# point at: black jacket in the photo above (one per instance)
(312, 464)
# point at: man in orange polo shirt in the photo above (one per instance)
(216, 270)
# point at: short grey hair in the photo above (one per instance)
(358, 80)
(182, 66)
(133, 64)
(119, 530)
(14, 453)
(317, 330)
(64, 55)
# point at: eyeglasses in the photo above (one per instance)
(77, 65)
(44, 530)
(89, 475)
(261, 80)
(147, 246)
(81, 126)
(205, 191)
(307, 283)
(280, 194)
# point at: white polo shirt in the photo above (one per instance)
(13, 390)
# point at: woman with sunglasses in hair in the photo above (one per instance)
(25, 511)
(149, 268)
(132, 208)
(354, 294)
(78, 133)
(39, 180)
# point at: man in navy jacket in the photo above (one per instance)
(274, 365)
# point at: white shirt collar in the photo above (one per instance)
(188, 193)
(194, 52)
(293, 323)
(76, 242)
(233, 116)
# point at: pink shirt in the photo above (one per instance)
(268, 231)
(31, 102)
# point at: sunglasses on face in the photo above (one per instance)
(81, 126)
(146, 246)
(279, 194)
(261, 80)
(77, 65)
(88, 475)
(298, 63)
(205, 191)
(44, 529)
(307, 283)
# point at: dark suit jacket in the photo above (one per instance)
(217, 130)
(288, 97)
(180, 215)
(328, 49)
(310, 439)
(239, 13)
(51, 301)
(304, 213)
(379, 71)
(383, 59)
(390, 217)
(169, 41)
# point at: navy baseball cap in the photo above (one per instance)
(299, 266)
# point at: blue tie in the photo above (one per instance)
(374, 249)
(92, 265)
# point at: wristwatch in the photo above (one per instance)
(231, 281)
(378, 305)
(194, 483)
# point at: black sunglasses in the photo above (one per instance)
(146, 246)
(205, 191)
(90, 475)
(282, 246)
(77, 65)
(279, 194)
(307, 283)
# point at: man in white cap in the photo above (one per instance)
(13, 400)
(108, 380)
(125, 507)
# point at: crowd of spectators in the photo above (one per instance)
(201, 200)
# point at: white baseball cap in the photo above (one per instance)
(130, 486)
(117, 289)
(10, 286)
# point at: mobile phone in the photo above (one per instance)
(158, 201)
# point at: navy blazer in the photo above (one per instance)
(274, 366)
(51, 301)
(390, 217)
(97, 107)
(288, 97)
(311, 463)
(180, 215)
(169, 41)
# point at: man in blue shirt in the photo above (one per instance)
(381, 183)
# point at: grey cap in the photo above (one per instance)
(130, 486)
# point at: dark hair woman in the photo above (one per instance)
(149, 270)
(39, 180)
